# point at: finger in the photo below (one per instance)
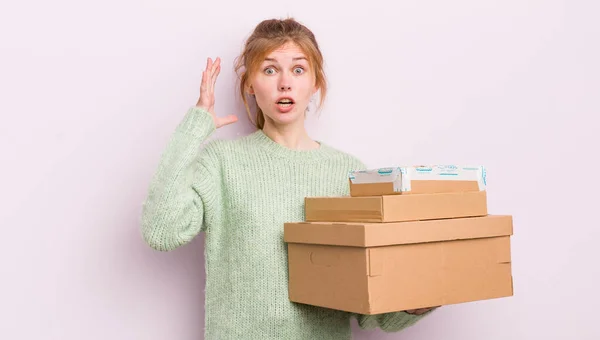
(209, 66)
(208, 63)
(214, 69)
(214, 76)
(423, 311)
(203, 83)
(215, 64)
(217, 70)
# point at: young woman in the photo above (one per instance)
(241, 192)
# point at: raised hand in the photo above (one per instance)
(207, 92)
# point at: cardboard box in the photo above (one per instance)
(373, 268)
(417, 180)
(396, 208)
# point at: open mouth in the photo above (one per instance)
(285, 102)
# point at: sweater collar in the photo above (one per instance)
(282, 151)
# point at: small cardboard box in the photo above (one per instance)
(396, 208)
(417, 180)
(373, 268)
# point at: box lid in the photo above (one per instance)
(395, 233)
(419, 179)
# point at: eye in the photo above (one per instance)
(269, 70)
(299, 70)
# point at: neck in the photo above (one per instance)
(292, 136)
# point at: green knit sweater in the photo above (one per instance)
(240, 193)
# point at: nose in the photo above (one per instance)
(285, 82)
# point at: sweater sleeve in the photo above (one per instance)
(389, 322)
(184, 186)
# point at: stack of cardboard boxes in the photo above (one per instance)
(405, 238)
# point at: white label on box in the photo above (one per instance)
(402, 176)
(381, 175)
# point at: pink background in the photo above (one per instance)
(92, 91)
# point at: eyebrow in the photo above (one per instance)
(294, 59)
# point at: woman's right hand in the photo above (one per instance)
(207, 93)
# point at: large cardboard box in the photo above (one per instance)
(396, 208)
(423, 179)
(373, 268)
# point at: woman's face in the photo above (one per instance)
(283, 85)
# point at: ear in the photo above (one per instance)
(250, 90)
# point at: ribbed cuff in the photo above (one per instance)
(390, 322)
(198, 123)
(395, 322)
